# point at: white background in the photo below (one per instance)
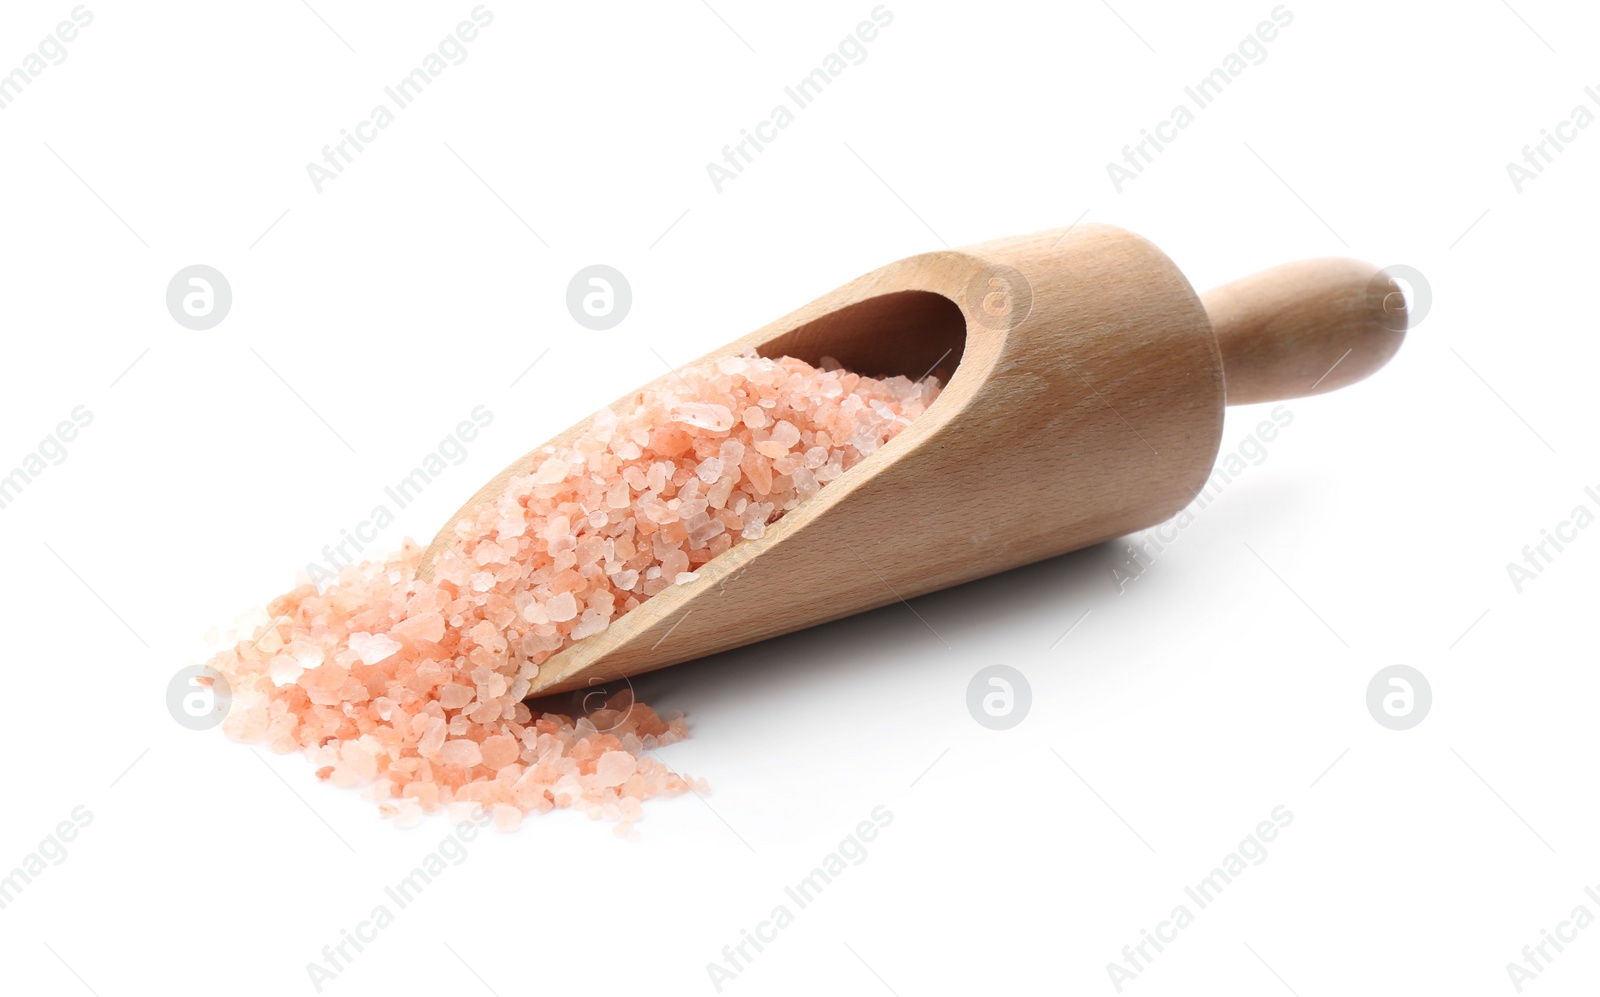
(1227, 680)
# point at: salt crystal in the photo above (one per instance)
(562, 608)
(406, 813)
(308, 654)
(433, 739)
(591, 624)
(453, 695)
(373, 648)
(428, 627)
(704, 533)
(615, 767)
(284, 670)
(462, 752)
(506, 817)
(674, 562)
(805, 483)
(499, 751)
(553, 471)
(247, 724)
(714, 417)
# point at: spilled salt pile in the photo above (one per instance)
(415, 688)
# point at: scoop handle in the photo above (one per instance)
(1305, 328)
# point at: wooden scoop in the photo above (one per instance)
(1085, 382)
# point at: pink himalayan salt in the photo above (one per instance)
(506, 817)
(614, 768)
(501, 750)
(416, 688)
(461, 752)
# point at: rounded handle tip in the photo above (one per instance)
(1305, 328)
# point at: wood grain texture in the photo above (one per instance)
(1083, 401)
(1305, 328)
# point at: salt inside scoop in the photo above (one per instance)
(414, 688)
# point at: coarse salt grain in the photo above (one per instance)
(416, 688)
